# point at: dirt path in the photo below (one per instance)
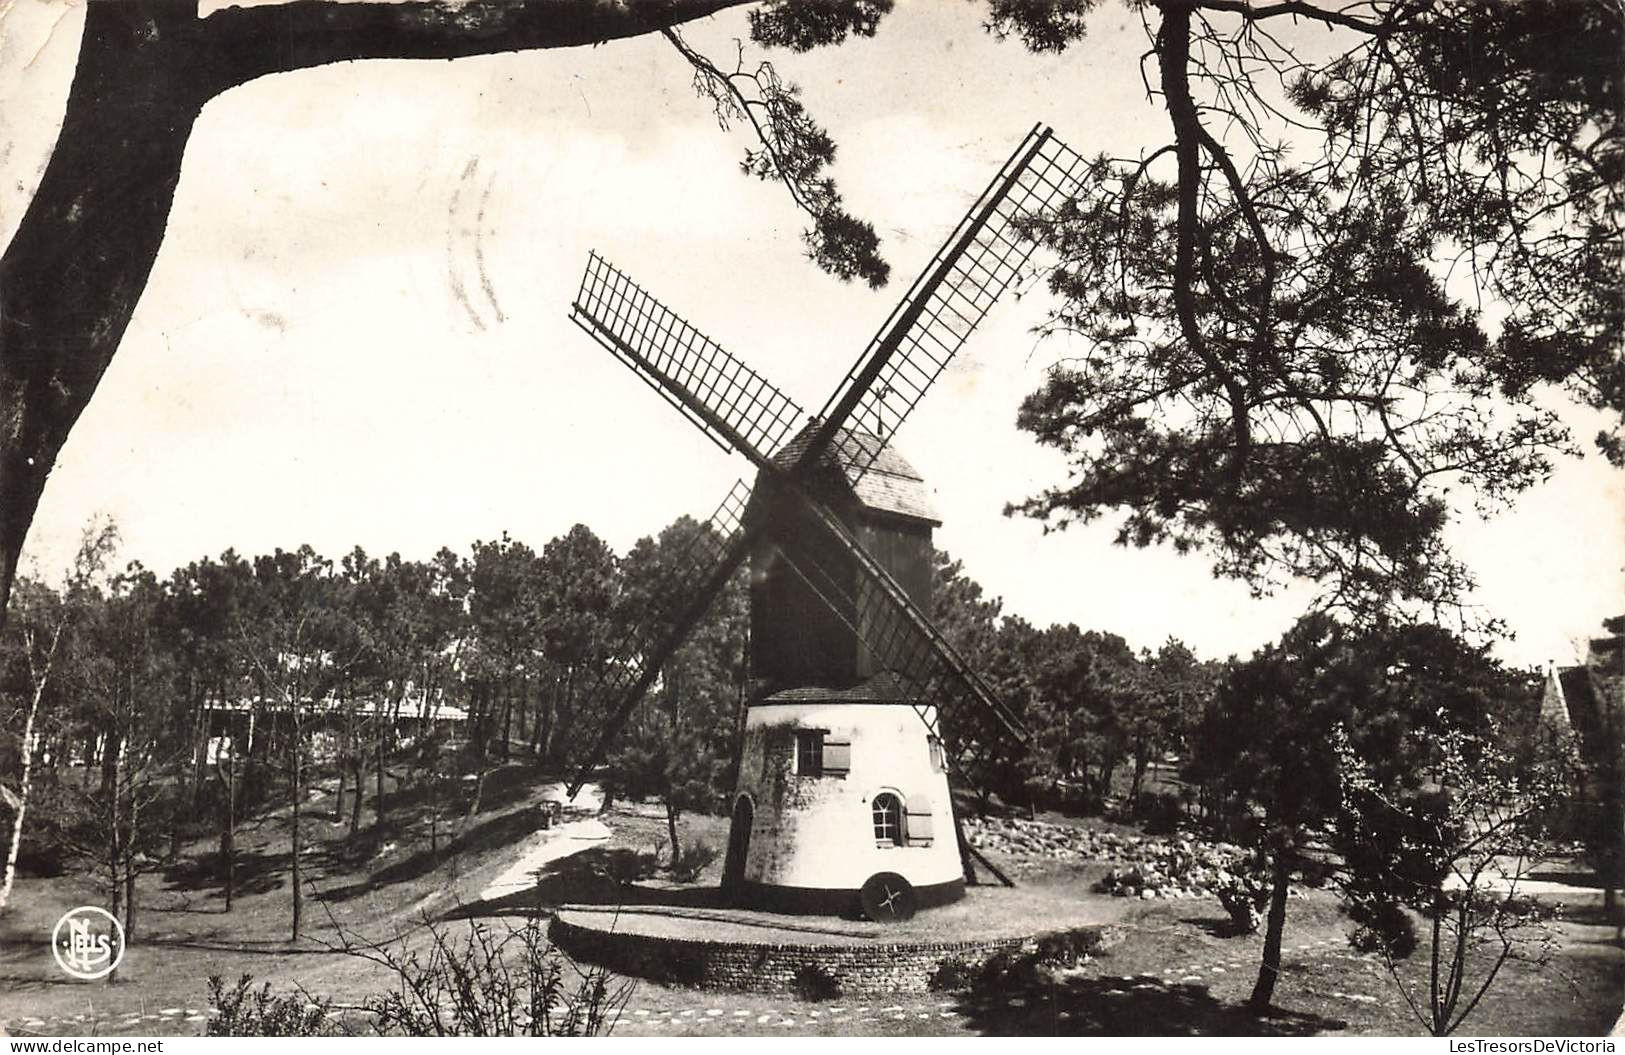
(553, 844)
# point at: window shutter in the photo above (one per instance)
(837, 757)
(918, 827)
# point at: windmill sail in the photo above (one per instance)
(954, 705)
(702, 572)
(980, 260)
(731, 403)
(741, 411)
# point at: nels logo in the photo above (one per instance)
(88, 942)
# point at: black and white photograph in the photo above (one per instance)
(812, 518)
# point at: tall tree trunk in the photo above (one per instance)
(674, 726)
(1613, 855)
(356, 771)
(671, 828)
(434, 816)
(1141, 760)
(115, 851)
(1269, 969)
(115, 854)
(507, 723)
(549, 716)
(25, 784)
(479, 792)
(112, 754)
(295, 834)
(71, 276)
(476, 719)
(130, 851)
(228, 833)
(200, 761)
(378, 804)
(524, 711)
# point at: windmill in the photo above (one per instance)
(859, 703)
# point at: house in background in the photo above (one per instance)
(1589, 700)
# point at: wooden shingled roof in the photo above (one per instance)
(1589, 701)
(881, 688)
(891, 485)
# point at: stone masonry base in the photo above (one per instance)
(858, 969)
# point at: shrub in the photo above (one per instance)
(47, 860)
(1005, 972)
(1244, 891)
(688, 863)
(243, 1012)
(1078, 799)
(1159, 812)
(491, 983)
(625, 866)
(1384, 927)
(813, 983)
(1068, 948)
(955, 974)
(469, 989)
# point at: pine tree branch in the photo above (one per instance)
(1295, 9)
(244, 43)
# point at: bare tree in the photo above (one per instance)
(43, 618)
(1454, 853)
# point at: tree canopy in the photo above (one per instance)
(1275, 742)
(71, 275)
(1343, 284)
(1335, 292)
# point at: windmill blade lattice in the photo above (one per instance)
(731, 403)
(702, 571)
(904, 640)
(981, 259)
(952, 703)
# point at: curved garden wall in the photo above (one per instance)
(872, 968)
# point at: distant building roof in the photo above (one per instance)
(1572, 699)
(408, 708)
(891, 485)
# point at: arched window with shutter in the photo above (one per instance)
(888, 818)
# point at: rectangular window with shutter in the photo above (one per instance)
(918, 825)
(810, 752)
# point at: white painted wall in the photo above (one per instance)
(818, 831)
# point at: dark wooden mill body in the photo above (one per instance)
(837, 530)
(799, 638)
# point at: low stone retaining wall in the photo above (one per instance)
(868, 969)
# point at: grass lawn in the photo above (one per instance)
(1177, 972)
(184, 933)
(1172, 971)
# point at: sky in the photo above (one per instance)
(356, 332)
